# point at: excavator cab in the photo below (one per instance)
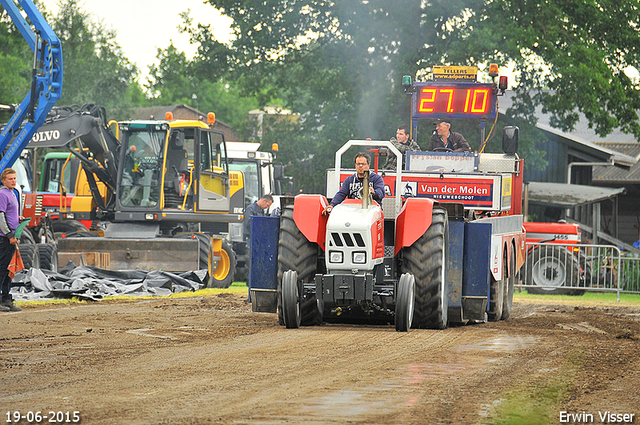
(142, 156)
(180, 165)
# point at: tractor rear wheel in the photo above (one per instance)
(62, 225)
(405, 299)
(26, 237)
(290, 300)
(297, 254)
(426, 260)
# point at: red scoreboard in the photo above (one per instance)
(454, 100)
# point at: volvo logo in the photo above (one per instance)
(45, 136)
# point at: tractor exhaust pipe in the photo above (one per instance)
(366, 194)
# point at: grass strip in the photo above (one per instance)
(589, 298)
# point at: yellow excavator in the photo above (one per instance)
(156, 184)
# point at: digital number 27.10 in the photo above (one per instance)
(452, 100)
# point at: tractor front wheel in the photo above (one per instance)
(296, 253)
(290, 300)
(405, 302)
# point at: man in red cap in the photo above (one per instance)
(444, 138)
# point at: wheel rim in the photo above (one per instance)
(224, 265)
(549, 272)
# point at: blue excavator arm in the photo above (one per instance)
(46, 83)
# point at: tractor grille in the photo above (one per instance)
(39, 206)
(347, 239)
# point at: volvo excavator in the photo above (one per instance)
(156, 184)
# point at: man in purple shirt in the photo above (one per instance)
(9, 221)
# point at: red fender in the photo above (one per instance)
(307, 214)
(414, 219)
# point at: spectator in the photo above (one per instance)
(9, 221)
(404, 144)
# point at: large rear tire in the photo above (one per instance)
(426, 260)
(405, 300)
(66, 226)
(553, 270)
(296, 253)
(291, 300)
(26, 237)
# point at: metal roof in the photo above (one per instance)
(568, 195)
(615, 174)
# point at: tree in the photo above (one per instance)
(95, 68)
(340, 63)
(15, 64)
(175, 79)
(572, 57)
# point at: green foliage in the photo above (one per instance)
(15, 64)
(176, 80)
(338, 67)
(576, 49)
(95, 69)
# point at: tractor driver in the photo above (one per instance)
(353, 184)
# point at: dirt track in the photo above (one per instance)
(211, 360)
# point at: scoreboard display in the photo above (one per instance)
(454, 100)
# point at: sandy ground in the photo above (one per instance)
(212, 360)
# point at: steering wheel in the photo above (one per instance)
(443, 150)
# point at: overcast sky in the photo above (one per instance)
(143, 26)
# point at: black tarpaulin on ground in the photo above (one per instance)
(93, 283)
